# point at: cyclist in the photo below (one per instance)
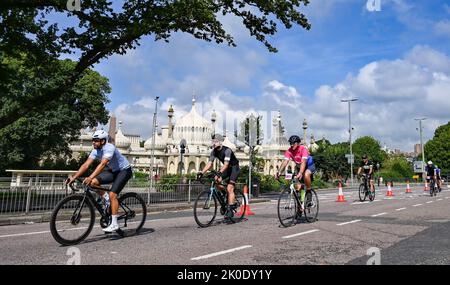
(305, 166)
(431, 172)
(113, 168)
(230, 169)
(367, 167)
(438, 178)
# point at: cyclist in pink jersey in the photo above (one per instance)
(305, 164)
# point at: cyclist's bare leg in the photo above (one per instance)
(220, 187)
(96, 183)
(308, 179)
(371, 185)
(231, 196)
(114, 203)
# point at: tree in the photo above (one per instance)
(396, 167)
(438, 148)
(102, 28)
(47, 132)
(369, 146)
(331, 161)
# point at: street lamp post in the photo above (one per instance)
(421, 145)
(183, 144)
(152, 155)
(350, 134)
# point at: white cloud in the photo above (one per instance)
(429, 58)
(442, 28)
(390, 95)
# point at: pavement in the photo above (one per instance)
(409, 228)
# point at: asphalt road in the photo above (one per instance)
(405, 229)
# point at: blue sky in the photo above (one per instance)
(395, 61)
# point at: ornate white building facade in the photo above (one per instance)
(197, 131)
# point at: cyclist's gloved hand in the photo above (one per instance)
(199, 175)
(70, 180)
(218, 176)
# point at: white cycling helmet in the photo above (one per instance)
(430, 162)
(100, 135)
(217, 140)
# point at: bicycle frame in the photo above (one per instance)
(214, 192)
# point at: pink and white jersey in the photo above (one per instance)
(297, 155)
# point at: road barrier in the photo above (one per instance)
(41, 195)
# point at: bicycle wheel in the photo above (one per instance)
(287, 207)
(205, 208)
(372, 194)
(72, 219)
(312, 208)
(132, 214)
(241, 206)
(362, 192)
(431, 189)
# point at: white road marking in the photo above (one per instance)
(417, 205)
(74, 229)
(439, 199)
(430, 202)
(360, 203)
(221, 252)
(346, 223)
(400, 209)
(300, 234)
(25, 234)
(380, 214)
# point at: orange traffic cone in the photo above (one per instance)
(247, 210)
(408, 189)
(389, 191)
(426, 186)
(340, 197)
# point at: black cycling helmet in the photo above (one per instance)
(364, 156)
(294, 139)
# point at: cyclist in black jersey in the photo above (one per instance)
(367, 167)
(431, 172)
(230, 169)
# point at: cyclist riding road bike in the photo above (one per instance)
(367, 167)
(230, 169)
(305, 166)
(113, 168)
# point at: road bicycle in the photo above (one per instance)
(364, 190)
(291, 207)
(74, 216)
(433, 188)
(209, 201)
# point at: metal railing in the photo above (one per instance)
(32, 197)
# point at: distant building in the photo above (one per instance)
(417, 149)
(197, 131)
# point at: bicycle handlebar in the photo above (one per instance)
(210, 175)
(81, 181)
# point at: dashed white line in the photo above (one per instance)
(360, 203)
(417, 205)
(346, 223)
(439, 199)
(400, 209)
(300, 234)
(25, 234)
(221, 252)
(429, 202)
(380, 214)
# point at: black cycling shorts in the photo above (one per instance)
(232, 173)
(118, 178)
